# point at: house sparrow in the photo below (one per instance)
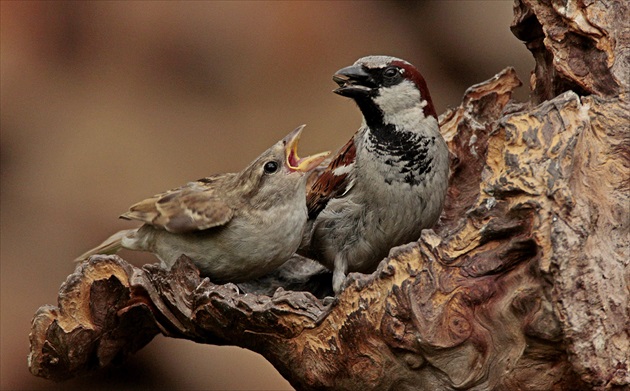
(236, 226)
(389, 181)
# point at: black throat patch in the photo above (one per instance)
(405, 151)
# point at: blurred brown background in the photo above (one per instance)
(106, 103)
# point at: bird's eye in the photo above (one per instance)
(391, 72)
(270, 167)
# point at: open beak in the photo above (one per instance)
(294, 162)
(354, 82)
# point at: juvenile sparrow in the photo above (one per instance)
(236, 226)
(389, 181)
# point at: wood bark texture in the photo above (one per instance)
(523, 285)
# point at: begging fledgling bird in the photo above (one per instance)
(388, 183)
(235, 227)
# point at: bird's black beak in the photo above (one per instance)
(354, 82)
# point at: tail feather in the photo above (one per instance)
(110, 246)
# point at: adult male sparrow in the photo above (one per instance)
(389, 181)
(234, 227)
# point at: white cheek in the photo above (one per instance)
(401, 103)
(400, 96)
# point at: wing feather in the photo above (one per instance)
(335, 181)
(193, 207)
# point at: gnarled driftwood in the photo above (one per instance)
(523, 284)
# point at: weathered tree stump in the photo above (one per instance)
(524, 283)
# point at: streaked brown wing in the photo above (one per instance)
(335, 181)
(193, 207)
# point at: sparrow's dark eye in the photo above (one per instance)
(270, 167)
(391, 73)
(391, 76)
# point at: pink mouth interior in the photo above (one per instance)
(293, 159)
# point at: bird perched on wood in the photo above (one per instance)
(234, 227)
(389, 181)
